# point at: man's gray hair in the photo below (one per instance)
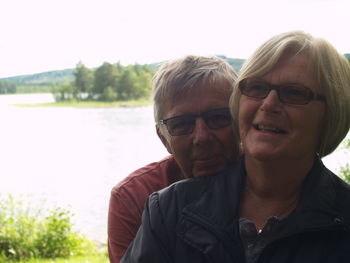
(176, 78)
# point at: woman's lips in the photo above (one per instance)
(268, 128)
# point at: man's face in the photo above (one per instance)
(205, 151)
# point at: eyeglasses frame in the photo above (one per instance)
(312, 95)
(195, 116)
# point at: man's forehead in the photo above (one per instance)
(179, 94)
(195, 101)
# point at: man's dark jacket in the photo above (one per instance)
(196, 220)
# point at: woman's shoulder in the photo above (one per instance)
(173, 199)
(192, 188)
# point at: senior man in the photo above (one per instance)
(191, 97)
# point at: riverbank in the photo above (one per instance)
(89, 104)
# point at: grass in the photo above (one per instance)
(90, 104)
(94, 258)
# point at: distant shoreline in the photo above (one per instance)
(88, 104)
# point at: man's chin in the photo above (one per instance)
(206, 171)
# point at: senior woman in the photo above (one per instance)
(279, 203)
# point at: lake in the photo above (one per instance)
(72, 157)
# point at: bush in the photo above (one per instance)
(26, 232)
(344, 171)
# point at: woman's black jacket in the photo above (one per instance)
(196, 220)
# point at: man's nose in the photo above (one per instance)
(201, 131)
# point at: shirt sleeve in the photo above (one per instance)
(124, 218)
(151, 242)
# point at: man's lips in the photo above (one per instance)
(206, 160)
(269, 128)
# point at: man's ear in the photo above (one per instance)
(163, 139)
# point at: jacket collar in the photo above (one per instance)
(320, 206)
(322, 200)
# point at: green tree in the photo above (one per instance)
(64, 91)
(7, 87)
(108, 94)
(84, 79)
(135, 82)
(143, 84)
(126, 85)
(105, 76)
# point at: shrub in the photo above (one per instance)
(27, 232)
(344, 171)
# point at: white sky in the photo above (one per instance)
(43, 35)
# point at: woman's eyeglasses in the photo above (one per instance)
(185, 124)
(287, 93)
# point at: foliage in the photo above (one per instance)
(42, 79)
(27, 232)
(345, 169)
(83, 78)
(108, 94)
(109, 82)
(91, 83)
(26, 89)
(90, 258)
(90, 104)
(345, 173)
(65, 91)
(105, 76)
(7, 87)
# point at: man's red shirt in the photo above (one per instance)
(127, 202)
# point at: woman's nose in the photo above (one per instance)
(272, 102)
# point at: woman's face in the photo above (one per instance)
(271, 129)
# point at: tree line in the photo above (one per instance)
(7, 87)
(109, 82)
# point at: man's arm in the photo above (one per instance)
(124, 218)
(151, 244)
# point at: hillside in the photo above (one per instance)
(42, 79)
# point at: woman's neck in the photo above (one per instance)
(271, 189)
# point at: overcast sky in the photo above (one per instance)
(43, 35)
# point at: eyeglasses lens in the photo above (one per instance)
(183, 125)
(291, 94)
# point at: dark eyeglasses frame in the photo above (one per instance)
(279, 89)
(196, 116)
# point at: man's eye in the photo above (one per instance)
(216, 121)
(181, 124)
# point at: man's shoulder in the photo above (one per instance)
(151, 177)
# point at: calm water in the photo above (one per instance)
(73, 157)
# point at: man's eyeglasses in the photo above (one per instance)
(287, 93)
(185, 124)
